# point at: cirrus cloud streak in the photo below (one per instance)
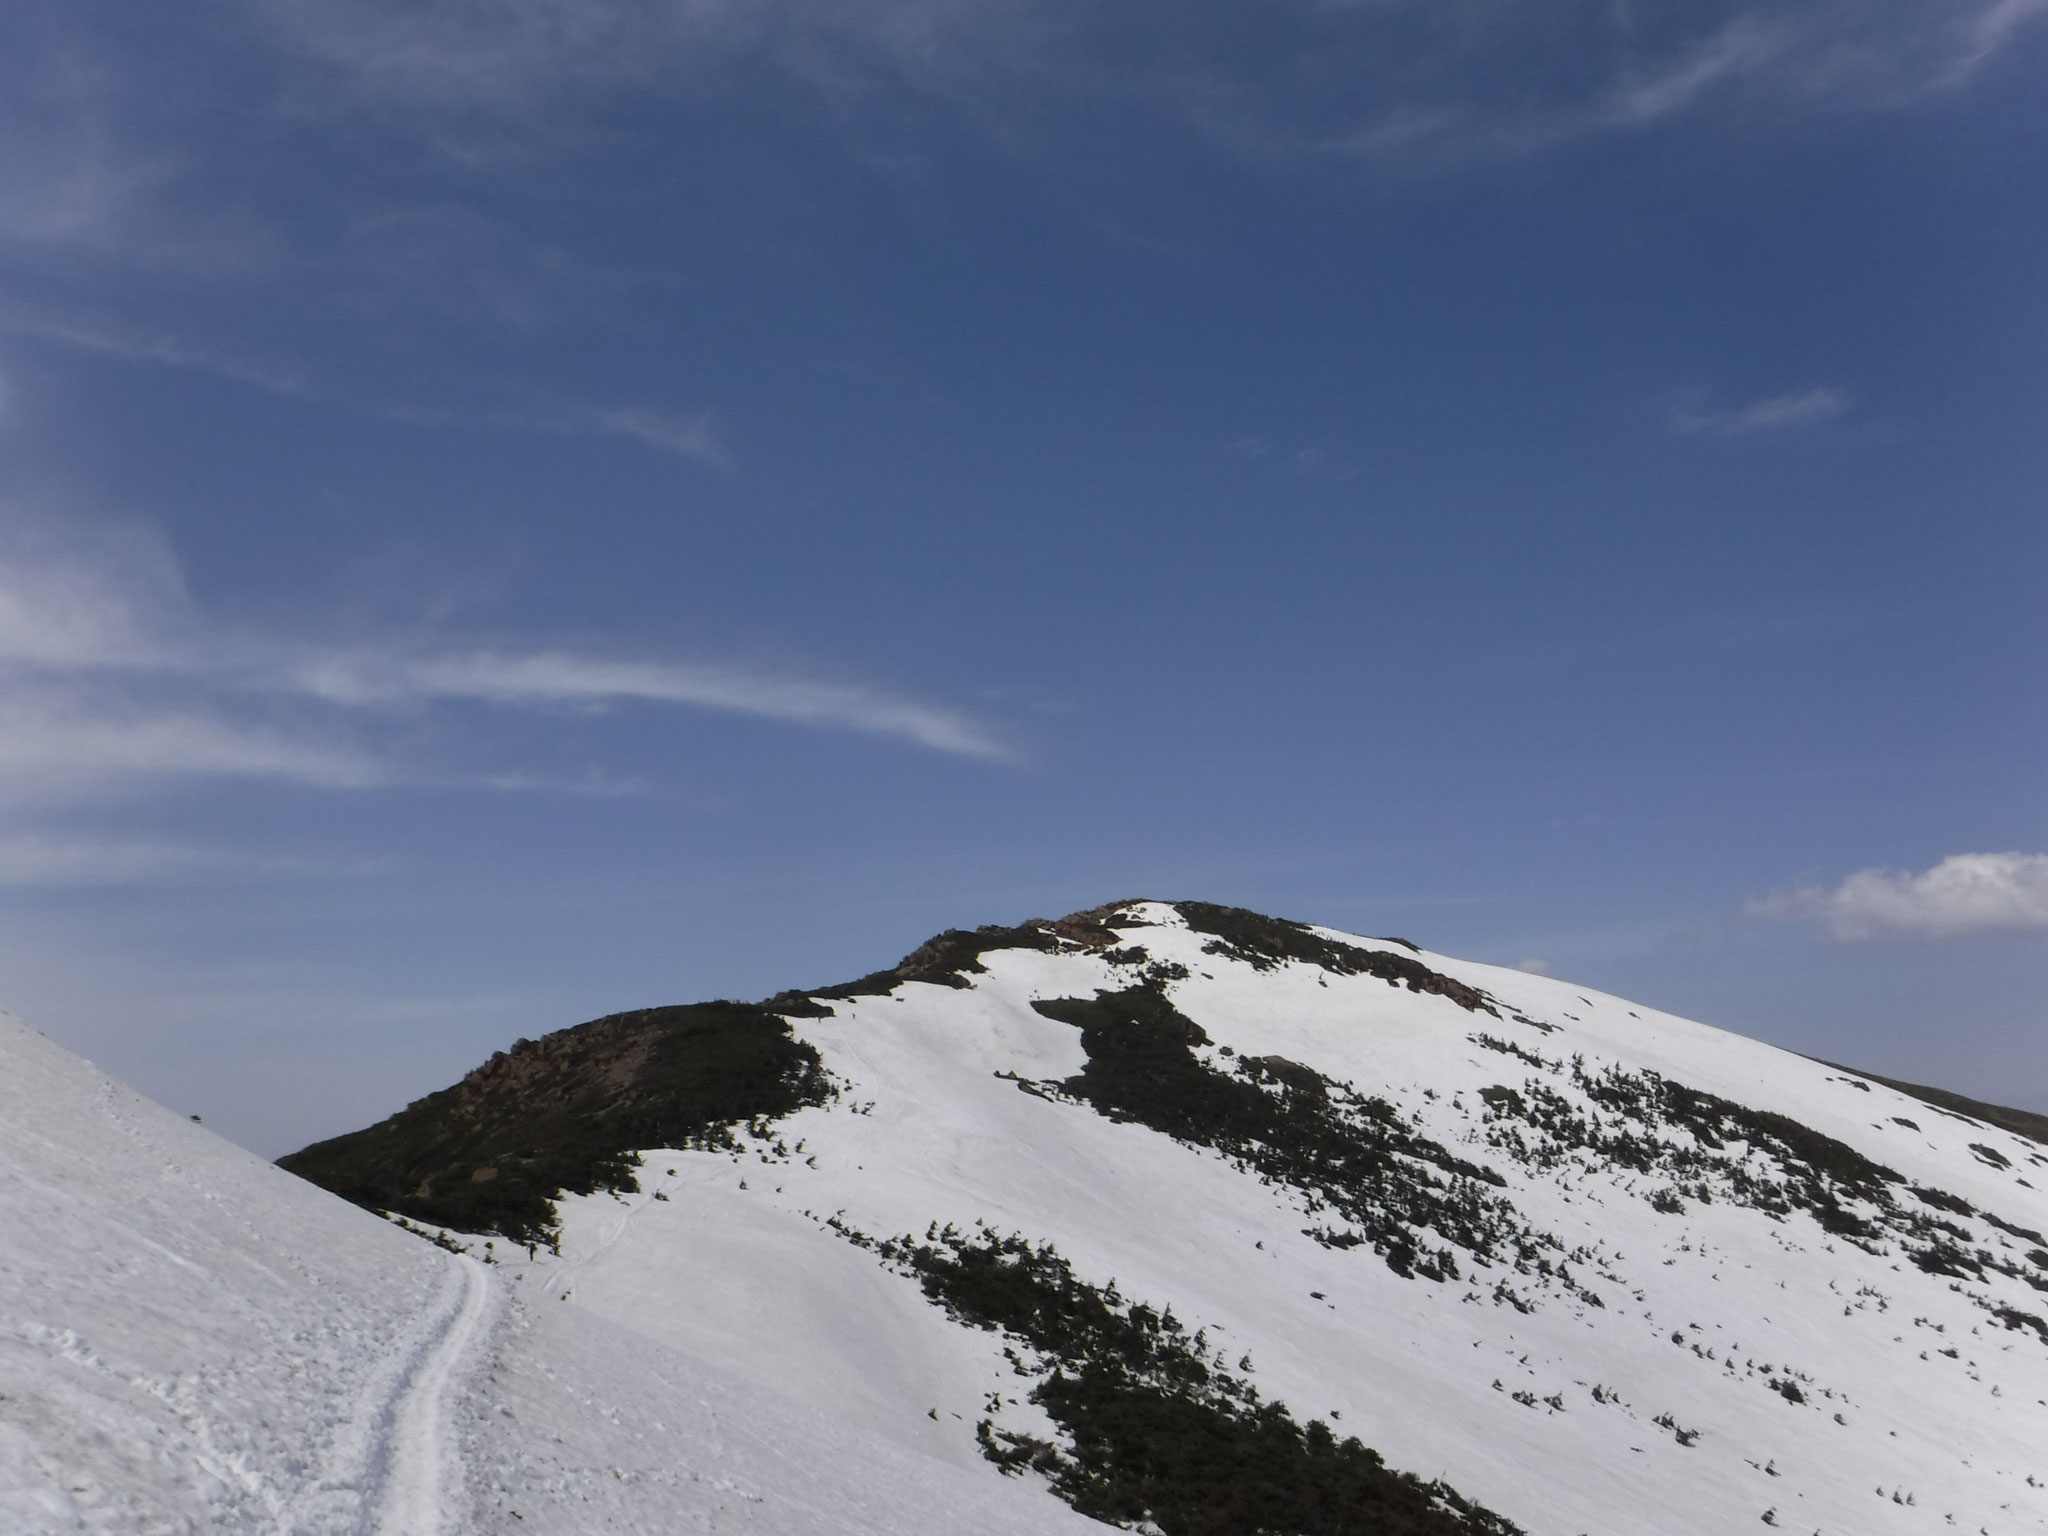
(556, 678)
(1399, 81)
(111, 679)
(1773, 414)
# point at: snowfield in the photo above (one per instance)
(192, 1341)
(1918, 1410)
(1646, 1278)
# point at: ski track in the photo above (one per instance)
(408, 1488)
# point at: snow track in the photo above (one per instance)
(414, 1485)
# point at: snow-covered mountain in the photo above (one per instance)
(1196, 1221)
(195, 1342)
(1196, 1217)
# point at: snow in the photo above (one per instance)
(734, 1263)
(418, 1473)
(192, 1341)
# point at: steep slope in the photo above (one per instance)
(192, 1341)
(1158, 1203)
(564, 1113)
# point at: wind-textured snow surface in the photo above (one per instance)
(192, 1341)
(1669, 1323)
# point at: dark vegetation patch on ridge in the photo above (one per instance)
(1158, 1434)
(947, 959)
(567, 1113)
(1411, 1198)
(1266, 942)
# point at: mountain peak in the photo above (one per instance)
(1380, 1230)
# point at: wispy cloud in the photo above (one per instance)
(159, 347)
(1746, 45)
(1964, 893)
(688, 436)
(76, 599)
(60, 739)
(112, 679)
(96, 158)
(1387, 81)
(42, 860)
(553, 679)
(71, 178)
(1985, 33)
(1772, 414)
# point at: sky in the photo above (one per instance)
(512, 510)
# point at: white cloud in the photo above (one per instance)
(35, 859)
(468, 54)
(1964, 893)
(95, 161)
(553, 679)
(145, 344)
(72, 600)
(1986, 32)
(1535, 965)
(111, 680)
(68, 179)
(99, 653)
(60, 742)
(1395, 81)
(691, 437)
(1744, 46)
(1774, 413)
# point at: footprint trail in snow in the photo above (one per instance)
(416, 1445)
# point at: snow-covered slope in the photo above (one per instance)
(1595, 1268)
(193, 1341)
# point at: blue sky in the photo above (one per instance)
(516, 509)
